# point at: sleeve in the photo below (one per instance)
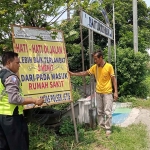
(92, 70)
(111, 69)
(12, 88)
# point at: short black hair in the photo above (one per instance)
(99, 53)
(9, 55)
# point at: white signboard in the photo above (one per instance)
(43, 65)
(36, 34)
(96, 25)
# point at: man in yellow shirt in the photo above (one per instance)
(104, 75)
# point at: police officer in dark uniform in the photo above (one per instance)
(13, 128)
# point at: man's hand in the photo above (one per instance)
(82, 73)
(71, 73)
(39, 101)
(115, 96)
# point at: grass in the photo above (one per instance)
(136, 102)
(133, 137)
(121, 139)
(128, 138)
(141, 103)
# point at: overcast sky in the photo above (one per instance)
(147, 2)
(64, 16)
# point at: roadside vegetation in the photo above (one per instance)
(133, 69)
(133, 137)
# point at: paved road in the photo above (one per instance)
(126, 116)
(144, 117)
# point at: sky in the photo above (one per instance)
(64, 16)
(147, 2)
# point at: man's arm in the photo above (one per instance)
(114, 81)
(83, 73)
(36, 101)
(14, 97)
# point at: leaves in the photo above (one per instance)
(131, 72)
(26, 13)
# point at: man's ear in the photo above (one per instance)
(8, 62)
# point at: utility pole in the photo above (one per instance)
(68, 11)
(114, 29)
(135, 26)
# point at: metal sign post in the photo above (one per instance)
(82, 51)
(99, 27)
(92, 88)
(92, 110)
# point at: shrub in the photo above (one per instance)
(41, 138)
(127, 98)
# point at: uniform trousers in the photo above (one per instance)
(13, 133)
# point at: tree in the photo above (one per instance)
(33, 13)
(131, 72)
(36, 13)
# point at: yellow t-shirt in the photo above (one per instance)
(103, 77)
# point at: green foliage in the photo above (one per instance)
(33, 13)
(131, 72)
(147, 84)
(41, 138)
(67, 127)
(76, 95)
(131, 68)
(128, 139)
(127, 98)
(78, 81)
(124, 24)
(136, 102)
(144, 103)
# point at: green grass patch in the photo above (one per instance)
(136, 102)
(141, 103)
(133, 137)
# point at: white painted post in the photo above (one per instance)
(135, 26)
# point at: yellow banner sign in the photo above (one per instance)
(44, 66)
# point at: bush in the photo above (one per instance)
(147, 84)
(78, 81)
(127, 98)
(67, 128)
(41, 138)
(131, 72)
